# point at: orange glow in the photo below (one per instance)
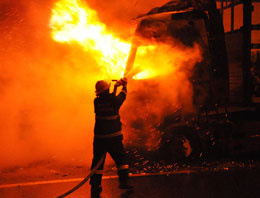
(49, 66)
(73, 21)
(144, 74)
(168, 65)
(164, 60)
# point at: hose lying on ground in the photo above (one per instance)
(85, 179)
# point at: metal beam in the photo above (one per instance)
(232, 4)
(232, 15)
(255, 27)
(221, 10)
(255, 45)
(247, 22)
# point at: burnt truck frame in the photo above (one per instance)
(217, 128)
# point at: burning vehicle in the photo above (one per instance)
(177, 63)
(209, 125)
(182, 80)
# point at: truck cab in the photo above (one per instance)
(217, 127)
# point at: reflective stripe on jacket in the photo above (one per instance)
(107, 113)
(110, 135)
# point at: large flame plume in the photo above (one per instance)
(73, 21)
(47, 87)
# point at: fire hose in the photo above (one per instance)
(85, 179)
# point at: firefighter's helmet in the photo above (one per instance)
(101, 86)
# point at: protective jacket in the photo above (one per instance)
(107, 107)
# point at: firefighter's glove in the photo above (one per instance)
(124, 81)
(118, 83)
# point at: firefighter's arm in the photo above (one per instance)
(118, 83)
(122, 95)
(115, 89)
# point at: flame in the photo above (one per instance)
(144, 74)
(72, 21)
(164, 60)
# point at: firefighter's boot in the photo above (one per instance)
(95, 191)
(123, 180)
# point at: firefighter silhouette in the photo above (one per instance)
(107, 134)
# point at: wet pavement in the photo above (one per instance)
(229, 179)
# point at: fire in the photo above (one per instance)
(144, 74)
(72, 21)
(164, 60)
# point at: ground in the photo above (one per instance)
(217, 178)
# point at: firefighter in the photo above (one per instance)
(107, 134)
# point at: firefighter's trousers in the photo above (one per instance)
(115, 148)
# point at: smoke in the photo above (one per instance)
(47, 88)
(152, 100)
